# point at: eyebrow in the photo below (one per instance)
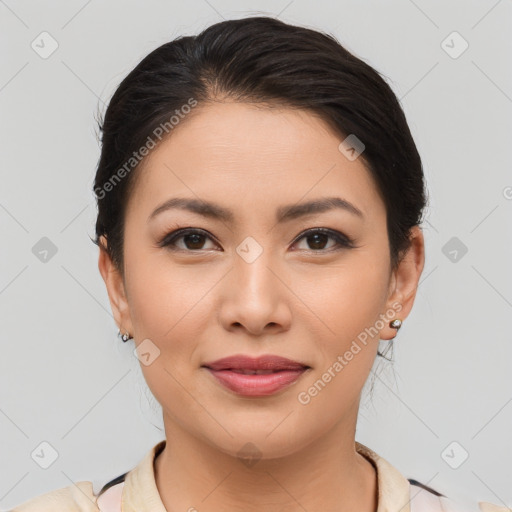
(283, 214)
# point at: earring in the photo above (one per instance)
(395, 324)
(125, 337)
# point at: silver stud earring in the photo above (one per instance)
(395, 324)
(125, 337)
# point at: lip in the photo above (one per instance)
(282, 372)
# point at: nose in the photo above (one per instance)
(254, 296)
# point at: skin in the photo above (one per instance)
(301, 298)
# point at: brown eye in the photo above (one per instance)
(317, 239)
(193, 240)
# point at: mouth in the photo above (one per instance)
(254, 372)
(262, 376)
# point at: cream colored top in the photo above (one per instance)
(139, 493)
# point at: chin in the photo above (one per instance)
(259, 440)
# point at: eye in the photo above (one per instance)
(192, 238)
(318, 238)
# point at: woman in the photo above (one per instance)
(259, 206)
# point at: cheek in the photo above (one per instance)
(349, 300)
(169, 309)
(347, 297)
(347, 353)
(163, 296)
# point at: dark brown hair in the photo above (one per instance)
(264, 60)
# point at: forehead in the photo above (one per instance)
(264, 155)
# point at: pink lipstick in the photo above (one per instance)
(261, 376)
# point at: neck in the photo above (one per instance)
(326, 475)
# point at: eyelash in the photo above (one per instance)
(343, 241)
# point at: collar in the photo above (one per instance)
(140, 493)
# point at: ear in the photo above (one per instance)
(404, 281)
(115, 289)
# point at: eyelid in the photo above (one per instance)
(181, 232)
(342, 240)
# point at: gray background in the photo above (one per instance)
(66, 379)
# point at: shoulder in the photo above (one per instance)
(425, 499)
(77, 497)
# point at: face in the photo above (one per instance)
(314, 286)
